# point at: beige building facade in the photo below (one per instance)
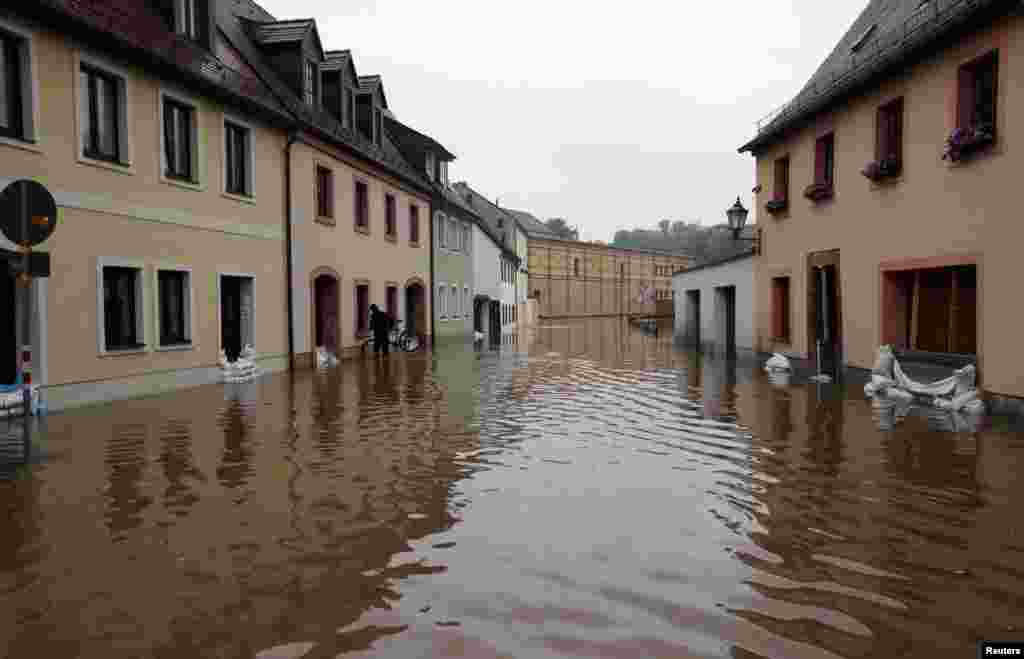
(891, 242)
(578, 279)
(160, 258)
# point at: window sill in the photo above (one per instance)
(121, 352)
(175, 347)
(25, 145)
(326, 221)
(413, 243)
(120, 167)
(365, 230)
(244, 199)
(182, 183)
(391, 238)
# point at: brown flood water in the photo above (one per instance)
(586, 491)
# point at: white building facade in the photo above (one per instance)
(714, 305)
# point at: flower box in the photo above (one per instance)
(965, 142)
(818, 191)
(776, 205)
(876, 170)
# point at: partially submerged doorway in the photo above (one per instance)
(415, 310)
(691, 331)
(236, 314)
(824, 312)
(725, 316)
(325, 312)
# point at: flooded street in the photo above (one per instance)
(587, 491)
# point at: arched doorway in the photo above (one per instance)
(325, 312)
(416, 310)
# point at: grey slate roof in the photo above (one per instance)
(373, 83)
(336, 60)
(496, 222)
(405, 132)
(317, 119)
(722, 261)
(251, 10)
(903, 29)
(531, 226)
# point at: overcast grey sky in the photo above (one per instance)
(612, 115)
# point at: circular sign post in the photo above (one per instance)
(28, 213)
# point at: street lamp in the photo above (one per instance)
(737, 216)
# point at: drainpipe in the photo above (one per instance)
(292, 139)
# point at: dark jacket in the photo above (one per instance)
(380, 323)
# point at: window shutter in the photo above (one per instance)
(819, 161)
(966, 98)
(329, 193)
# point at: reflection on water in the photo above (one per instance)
(585, 490)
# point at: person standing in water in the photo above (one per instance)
(380, 325)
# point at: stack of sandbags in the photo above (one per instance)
(324, 358)
(12, 402)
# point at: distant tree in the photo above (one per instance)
(665, 224)
(561, 228)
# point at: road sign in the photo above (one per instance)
(28, 213)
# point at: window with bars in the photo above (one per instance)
(101, 108)
(324, 192)
(173, 296)
(237, 159)
(122, 308)
(179, 140)
(362, 205)
(414, 223)
(390, 221)
(11, 102)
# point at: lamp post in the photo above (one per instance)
(737, 216)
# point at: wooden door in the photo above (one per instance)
(231, 316)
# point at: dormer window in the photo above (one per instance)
(185, 18)
(430, 167)
(309, 83)
(378, 131)
(443, 178)
(350, 108)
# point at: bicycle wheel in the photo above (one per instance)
(409, 343)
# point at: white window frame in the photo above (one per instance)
(442, 303)
(189, 308)
(139, 265)
(430, 166)
(198, 140)
(455, 301)
(180, 27)
(125, 119)
(441, 222)
(252, 329)
(309, 81)
(250, 172)
(29, 89)
(467, 305)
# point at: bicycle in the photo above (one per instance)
(402, 339)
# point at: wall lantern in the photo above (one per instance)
(737, 216)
